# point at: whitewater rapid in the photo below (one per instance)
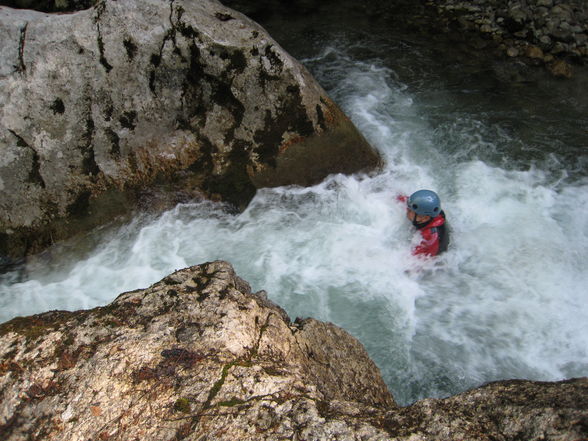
(508, 300)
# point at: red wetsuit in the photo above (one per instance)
(435, 237)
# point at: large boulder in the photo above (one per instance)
(195, 355)
(199, 356)
(98, 103)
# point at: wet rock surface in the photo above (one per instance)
(550, 33)
(198, 355)
(102, 103)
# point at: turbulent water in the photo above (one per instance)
(509, 298)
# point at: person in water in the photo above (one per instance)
(423, 209)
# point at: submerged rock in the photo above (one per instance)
(199, 356)
(101, 102)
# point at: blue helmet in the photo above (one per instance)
(425, 203)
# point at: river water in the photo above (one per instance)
(509, 298)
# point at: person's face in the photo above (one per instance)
(418, 218)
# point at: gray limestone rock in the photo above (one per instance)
(127, 93)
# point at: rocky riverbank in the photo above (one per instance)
(198, 355)
(550, 33)
(521, 38)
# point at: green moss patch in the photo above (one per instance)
(182, 405)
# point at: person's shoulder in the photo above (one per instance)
(438, 220)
